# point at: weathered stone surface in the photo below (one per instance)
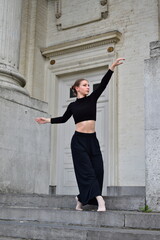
(18, 221)
(73, 217)
(152, 127)
(45, 231)
(125, 191)
(152, 96)
(155, 49)
(62, 201)
(24, 145)
(142, 220)
(153, 168)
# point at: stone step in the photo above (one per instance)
(50, 231)
(12, 238)
(64, 201)
(120, 219)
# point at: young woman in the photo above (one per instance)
(86, 153)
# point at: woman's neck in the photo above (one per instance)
(80, 96)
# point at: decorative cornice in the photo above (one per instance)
(81, 44)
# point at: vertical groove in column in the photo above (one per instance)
(2, 21)
(31, 42)
(159, 19)
(10, 22)
(9, 25)
(18, 29)
(10, 12)
(12, 31)
(24, 35)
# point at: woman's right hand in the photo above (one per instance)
(42, 120)
(117, 62)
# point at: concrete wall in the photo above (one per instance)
(152, 126)
(24, 145)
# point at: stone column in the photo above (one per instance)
(158, 18)
(10, 23)
(24, 157)
(152, 126)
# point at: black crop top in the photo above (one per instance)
(84, 108)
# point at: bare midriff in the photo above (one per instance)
(86, 126)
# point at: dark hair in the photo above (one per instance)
(76, 84)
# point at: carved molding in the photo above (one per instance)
(58, 12)
(81, 44)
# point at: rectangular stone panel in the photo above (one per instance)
(72, 16)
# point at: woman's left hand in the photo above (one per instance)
(116, 63)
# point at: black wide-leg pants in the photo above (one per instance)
(88, 165)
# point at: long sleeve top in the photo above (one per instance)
(84, 108)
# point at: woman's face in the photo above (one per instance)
(83, 88)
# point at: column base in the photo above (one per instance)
(12, 80)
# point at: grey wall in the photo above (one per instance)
(152, 126)
(24, 145)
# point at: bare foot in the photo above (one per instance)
(101, 204)
(78, 205)
(102, 209)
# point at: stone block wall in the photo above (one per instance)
(152, 126)
(24, 145)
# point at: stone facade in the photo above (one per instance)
(55, 24)
(25, 158)
(138, 24)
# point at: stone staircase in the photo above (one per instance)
(53, 218)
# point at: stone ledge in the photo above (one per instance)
(21, 99)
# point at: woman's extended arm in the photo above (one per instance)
(61, 119)
(106, 78)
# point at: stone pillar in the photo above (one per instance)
(24, 155)
(152, 126)
(158, 18)
(10, 23)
